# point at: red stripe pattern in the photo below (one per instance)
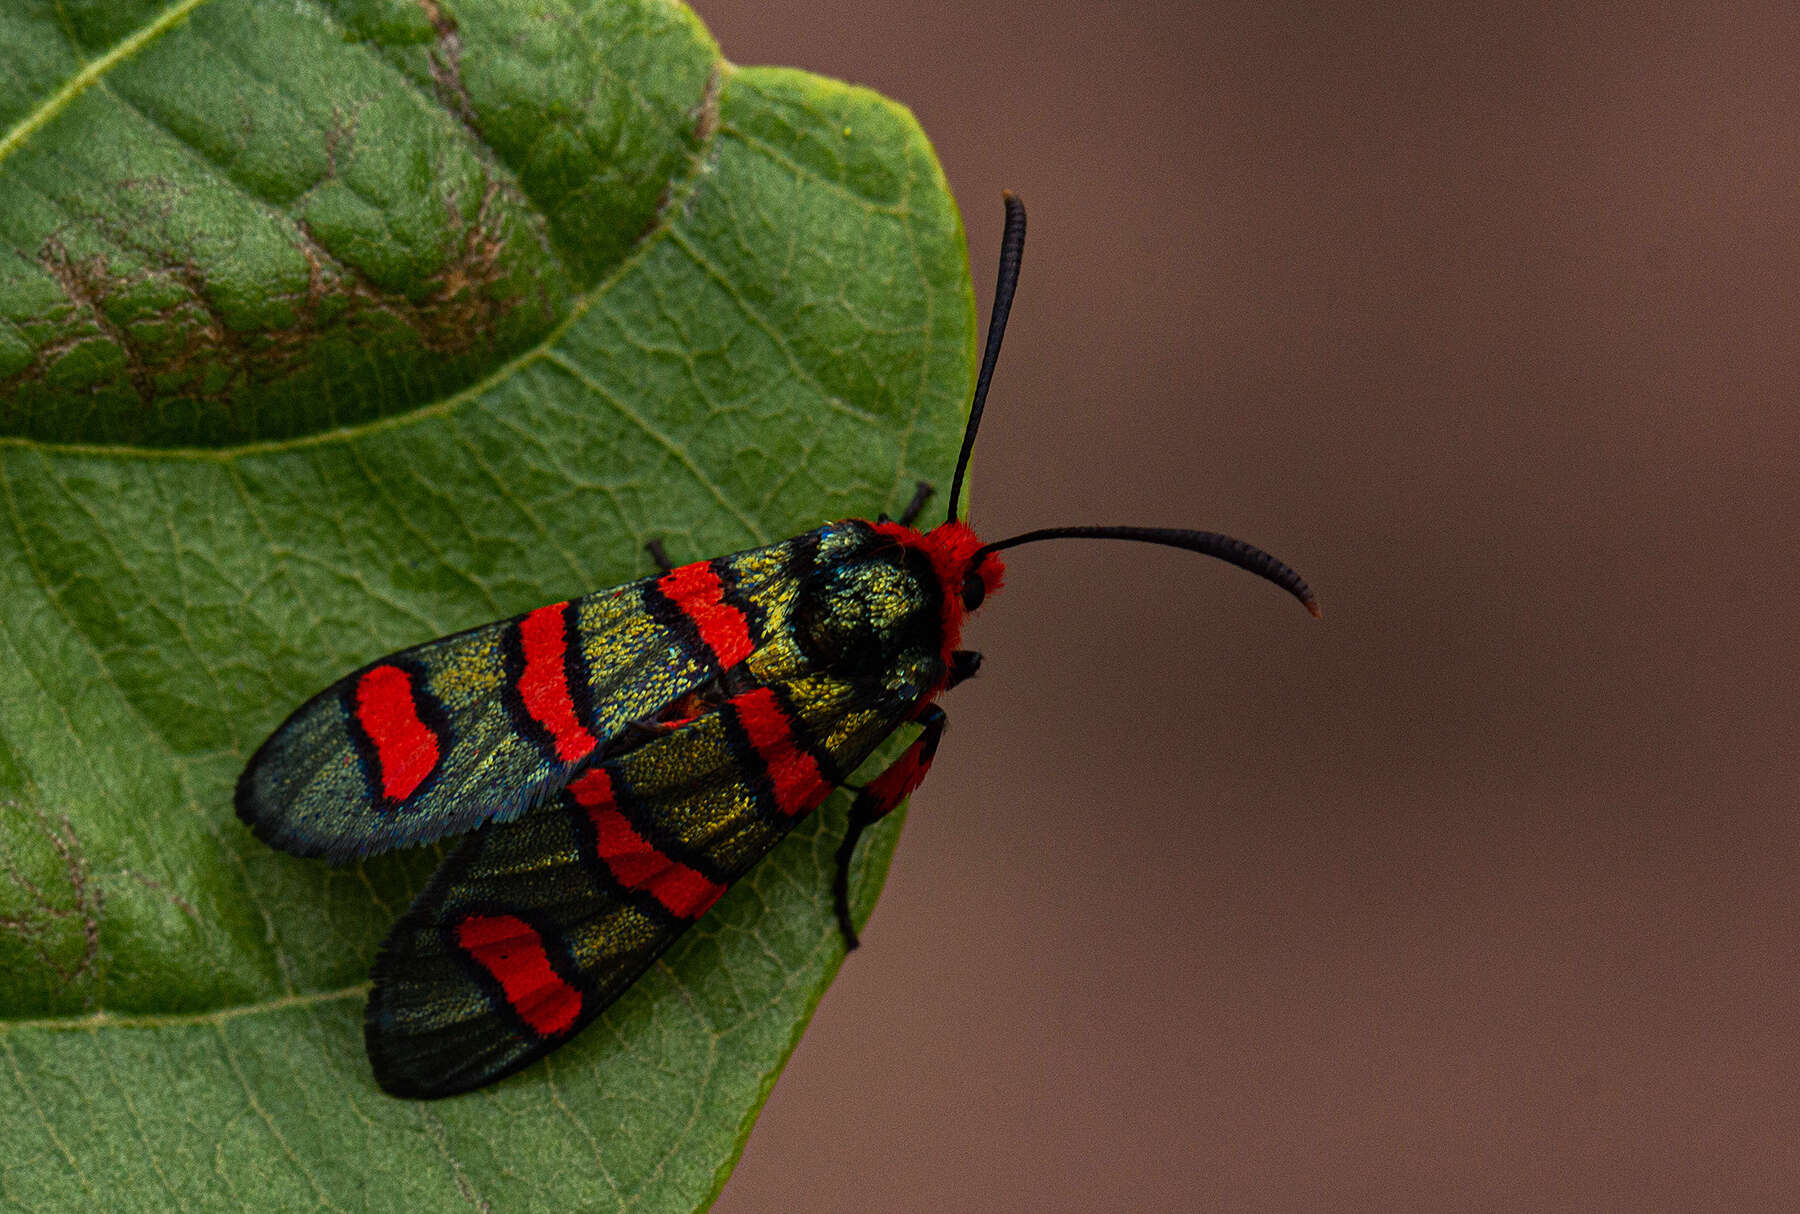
(794, 776)
(699, 594)
(511, 950)
(406, 750)
(634, 861)
(544, 683)
(898, 782)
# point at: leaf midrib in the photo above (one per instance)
(94, 1021)
(91, 74)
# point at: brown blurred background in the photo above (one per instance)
(1484, 893)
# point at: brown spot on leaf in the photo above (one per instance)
(342, 131)
(460, 302)
(706, 114)
(445, 59)
(187, 351)
(84, 281)
(50, 913)
(681, 190)
(168, 892)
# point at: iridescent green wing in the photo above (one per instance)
(434, 740)
(532, 927)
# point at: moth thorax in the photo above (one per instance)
(857, 618)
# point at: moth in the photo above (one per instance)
(618, 760)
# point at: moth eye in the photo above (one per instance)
(974, 591)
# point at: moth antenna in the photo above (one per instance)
(1206, 543)
(1012, 251)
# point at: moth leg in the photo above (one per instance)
(634, 734)
(876, 798)
(964, 664)
(657, 554)
(921, 495)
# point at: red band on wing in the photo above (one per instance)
(512, 951)
(697, 591)
(794, 775)
(544, 684)
(405, 747)
(635, 862)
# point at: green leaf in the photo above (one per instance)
(332, 326)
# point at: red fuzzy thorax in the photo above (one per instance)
(951, 549)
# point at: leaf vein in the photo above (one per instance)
(256, 1106)
(801, 371)
(27, 1093)
(557, 358)
(813, 175)
(91, 74)
(97, 1021)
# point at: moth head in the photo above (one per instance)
(958, 571)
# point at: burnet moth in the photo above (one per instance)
(618, 760)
